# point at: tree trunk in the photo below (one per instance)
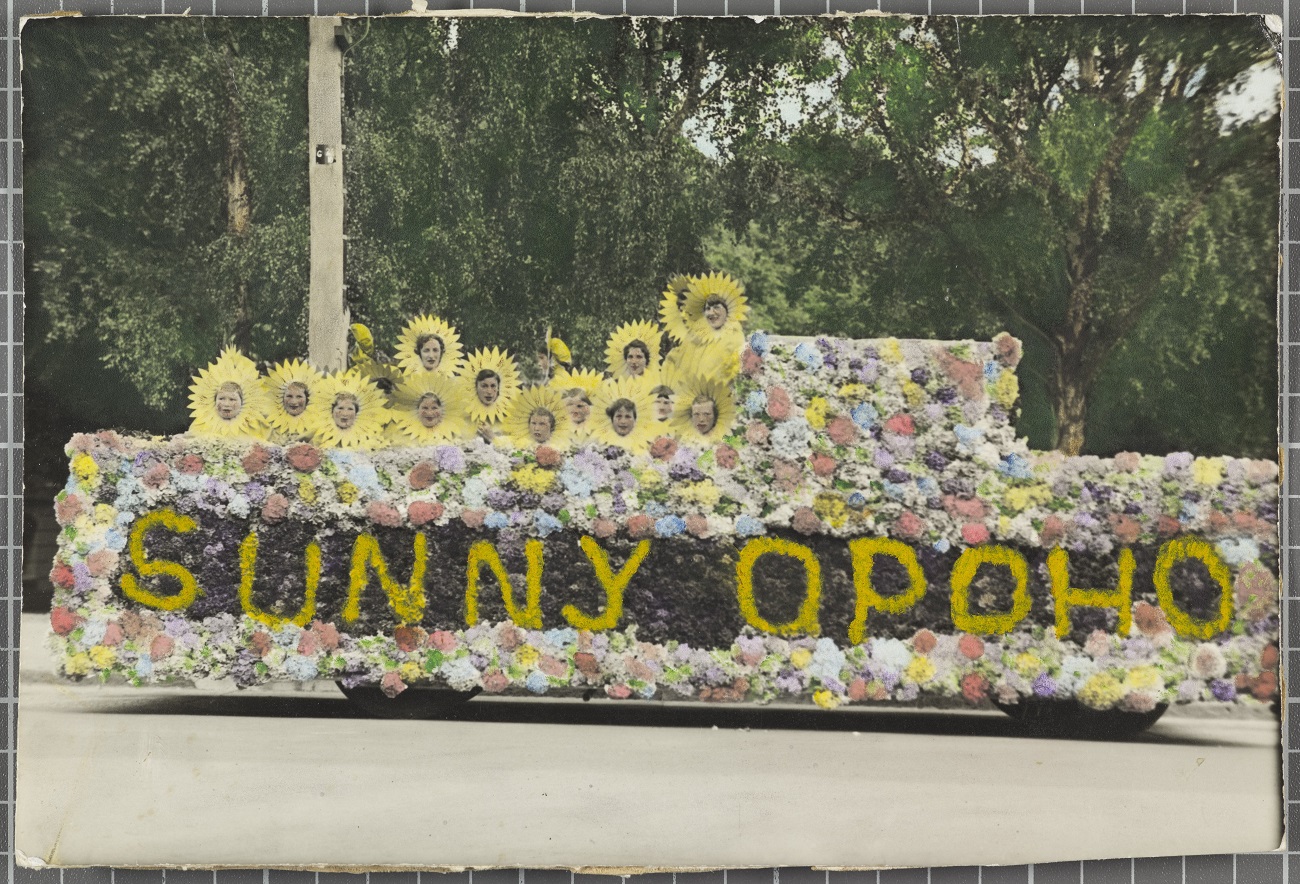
(238, 206)
(1071, 407)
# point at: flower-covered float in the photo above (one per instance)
(857, 524)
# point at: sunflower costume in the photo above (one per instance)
(702, 291)
(291, 376)
(697, 391)
(367, 421)
(670, 307)
(538, 401)
(417, 333)
(620, 391)
(410, 427)
(227, 398)
(500, 363)
(586, 379)
(646, 333)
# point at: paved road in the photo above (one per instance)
(119, 776)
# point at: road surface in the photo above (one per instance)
(112, 775)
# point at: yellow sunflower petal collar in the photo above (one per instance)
(427, 343)
(538, 416)
(670, 306)
(485, 402)
(586, 379)
(227, 398)
(703, 411)
(428, 409)
(348, 412)
(702, 293)
(623, 414)
(633, 350)
(289, 387)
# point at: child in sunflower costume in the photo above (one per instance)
(227, 399)
(348, 412)
(289, 387)
(426, 410)
(489, 385)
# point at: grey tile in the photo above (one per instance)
(1057, 7)
(1108, 871)
(1259, 868)
(649, 7)
(1209, 5)
(350, 7)
(188, 876)
(1267, 7)
(35, 7)
(750, 876)
(955, 7)
(803, 7)
(487, 876)
(601, 7)
(1292, 774)
(912, 7)
(291, 7)
(855, 877)
(277, 876)
(413, 878)
(87, 876)
(142, 876)
(1004, 875)
(1293, 864)
(751, 7)
(347, 878)
(854, 5)
(240, 7)
(699, 7)
(233, 876)
(1058, 873)
(955, 875)
(137, 7)
(88, 7)
(1158, 870)
(441, 878)
(796, 875)
(1207, 870)
(36, 876)
(545, 876)
(1006, 7)
(1107, 7)
(1159, 7)
(904, 876)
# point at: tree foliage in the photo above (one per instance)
(1081, 181)
(166, 197)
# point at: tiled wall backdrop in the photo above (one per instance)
(1240, 869)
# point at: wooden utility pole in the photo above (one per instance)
(327, 312)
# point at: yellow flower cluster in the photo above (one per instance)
(800, 658)
(854, 392)
(1005, 389)
(348, 493)
(530, 477)
(920, 670)
(527, 656)
(825, 699)
(306, 490)
(85, 468)
(831, 509)
(1028, 664)
(1144, 678)
(891, 352)
(1018, 499)
(704, 494)
(914, 393)
(1207, 470)
(1101, 691)
(815, 413)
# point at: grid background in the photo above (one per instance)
(1238, 869)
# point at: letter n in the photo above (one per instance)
(1065, 597)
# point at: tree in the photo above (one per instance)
(512, 175)
(1080, 180)
(166, 197)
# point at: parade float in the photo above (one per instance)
(821, 520)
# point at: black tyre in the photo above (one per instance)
(412, 703)
(1068, 719)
